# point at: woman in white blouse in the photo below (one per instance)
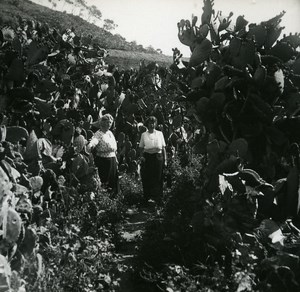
(153, 159)
(104, 147)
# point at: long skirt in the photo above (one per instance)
(108, 172)
(152, 176)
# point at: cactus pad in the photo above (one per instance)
(13, 224)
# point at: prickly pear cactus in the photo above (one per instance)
(79, 143)
(283, 50)
(238, 147)
(36, 183)
(292, 39)
(11, 223)
(80, 166)
(24, 205)
(3, 132)
(64, 131)
(212, 73)
(296, 66)
(177, 121)
(195, 38)
(5, 273)
(217, 100)
(5, 185)
(31, 152)
(29, 242)
(200, 53)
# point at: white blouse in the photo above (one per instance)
(152, 142)
(105, 144)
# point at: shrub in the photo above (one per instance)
(131, 189)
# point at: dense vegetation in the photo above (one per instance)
(229, 218)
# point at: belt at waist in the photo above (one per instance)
(106, 155)
(150, 153)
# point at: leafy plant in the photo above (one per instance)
(131, 189)
(242, 91)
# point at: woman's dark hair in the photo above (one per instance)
(151, 119)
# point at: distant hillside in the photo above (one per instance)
(127, 59)
(12, 9)
(125, 54)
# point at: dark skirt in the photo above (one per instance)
(152, 175)
(108, 172)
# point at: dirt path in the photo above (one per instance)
(131, 236)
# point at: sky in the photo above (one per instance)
(154, 22)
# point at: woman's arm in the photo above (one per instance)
(94, 141)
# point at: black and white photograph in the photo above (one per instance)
(149, 145)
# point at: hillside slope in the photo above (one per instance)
(127, 59)
(121, 52)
